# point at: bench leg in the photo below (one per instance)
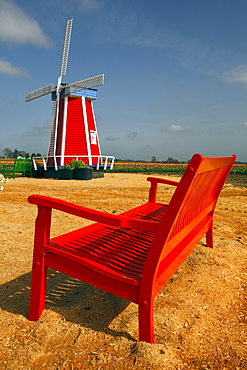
(39, 270)
(209, 237)
(38, 292)
(146, 321)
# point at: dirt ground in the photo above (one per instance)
(200, 315)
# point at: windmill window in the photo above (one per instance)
(93, 135)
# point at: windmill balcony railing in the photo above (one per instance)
(103, 161)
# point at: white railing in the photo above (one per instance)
(102, 160)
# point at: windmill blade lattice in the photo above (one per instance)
(52, 146)
(64, 61)
(66, 44)
(35, 94)
(86, 84)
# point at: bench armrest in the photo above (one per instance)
(154, 184)
(91, 214)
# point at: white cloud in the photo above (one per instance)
(17, 26)
(111, 138)
(192, 53)
(219, 106)
(163, 39)
(89, 5)
(8, 101)
(8, 68)
(42, 128)
(132, 135)
(173, 128)
(238, 74)
(186, 99)
(176, 128)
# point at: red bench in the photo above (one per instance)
(131, 255)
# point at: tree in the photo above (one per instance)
(171, 160)
(153, 159)
(7, 152)
(15, 153)
(22, 153)
(36, 155)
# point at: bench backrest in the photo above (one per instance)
(190, 210)
(198, 189)
(22, 165)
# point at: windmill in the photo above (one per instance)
(74, 132)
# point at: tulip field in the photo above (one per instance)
(147, 167)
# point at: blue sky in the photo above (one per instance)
(175, 73)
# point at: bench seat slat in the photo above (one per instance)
(114, 250)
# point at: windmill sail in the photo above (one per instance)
(86, 84)
(66, 44)
(55, 116)
(39, 92)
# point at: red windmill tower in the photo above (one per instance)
(74, 132)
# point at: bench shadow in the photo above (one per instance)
(76, 301)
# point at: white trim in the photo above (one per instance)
(104, 160)
(84, 110)
(65, 113)
(96, 129)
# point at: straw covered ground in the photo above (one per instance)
(200, 315)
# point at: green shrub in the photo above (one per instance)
(69, 167)
(76, 164)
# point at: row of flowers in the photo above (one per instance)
(133, 167)
(239, 169)
(142, 167)
(136, 167)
